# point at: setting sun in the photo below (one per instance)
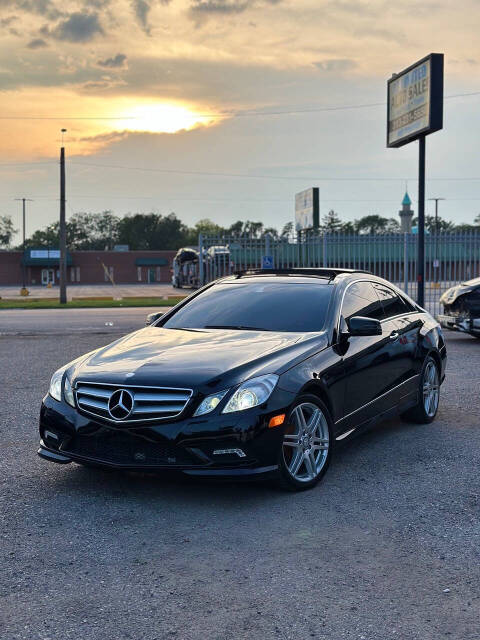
(160, 118)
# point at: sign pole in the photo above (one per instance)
(421, 223)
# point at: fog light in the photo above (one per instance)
(50, 434)
(223, 452)
(276, 421)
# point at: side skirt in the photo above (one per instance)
(407, 402)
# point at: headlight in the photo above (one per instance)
(209, 403)
(68, 392)
(252, 393)
(56, 384)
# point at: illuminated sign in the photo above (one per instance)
(415, 101)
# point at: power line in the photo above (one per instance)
(221, 174)
(171, 198)
(237, 113)
(25, 164)
(264, 177)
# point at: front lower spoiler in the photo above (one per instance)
(52, 456)
(241, 472)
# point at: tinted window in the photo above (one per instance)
(409, 305)
(361, 300)
(268, 305)
(393, 305)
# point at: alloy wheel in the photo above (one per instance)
(306, 442)
(431, 389)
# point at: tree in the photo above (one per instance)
(85, 231)
(348, 228)
(431, 225)
(47, 237)
(331, 222)
(103, 229)
(253, 229)
(236, 229)
(208, 228)
(271, 231)
(6, 231)
(287, 229)
(152, 231)
(374, 223)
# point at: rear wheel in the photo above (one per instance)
(307, 443)
(428, 394)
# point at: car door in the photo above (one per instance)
(404, 324)
(368, 375)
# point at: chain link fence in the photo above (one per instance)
(450, 258)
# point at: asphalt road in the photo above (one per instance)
(386, 547)
(26, 322)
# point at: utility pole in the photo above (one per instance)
(436, 262)
(24, 290)
(63, 229)
(436, 211)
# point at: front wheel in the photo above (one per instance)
(428, 394)
(307, 444)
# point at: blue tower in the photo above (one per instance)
(406, 214)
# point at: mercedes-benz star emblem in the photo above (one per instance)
(120, 404)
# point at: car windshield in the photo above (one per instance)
(299, 306)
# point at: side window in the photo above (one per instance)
(409, 305)
(393, 304)
(361, 300)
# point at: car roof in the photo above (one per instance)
(320, 272)
(273, 279)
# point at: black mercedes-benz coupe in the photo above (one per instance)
(256, 374)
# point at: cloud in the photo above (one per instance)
(388, 35)
(354, 7)
(40, 7)
(37, 43)
(219, 6)
(117, 62)
(336, 64)
(142, 9)
(5, 22)
(78, 27)
(99, 86)
(225, 7)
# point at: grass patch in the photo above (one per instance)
(49, 303)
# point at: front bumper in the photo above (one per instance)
(189, 446)
(460, 323)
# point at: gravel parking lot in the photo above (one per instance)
(386, 547)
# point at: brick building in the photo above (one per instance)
(86, 267)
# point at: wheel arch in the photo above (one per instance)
(438, 361)
(317, 390)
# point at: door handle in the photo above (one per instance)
(394, 335)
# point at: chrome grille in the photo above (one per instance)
(149, 403)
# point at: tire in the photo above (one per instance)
(306, 446)
(425, 411)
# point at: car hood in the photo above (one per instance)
(451, 295)
(195, 358)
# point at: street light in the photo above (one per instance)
(436, 263)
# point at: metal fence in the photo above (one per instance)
(450, 258)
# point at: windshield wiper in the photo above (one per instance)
(237, 326)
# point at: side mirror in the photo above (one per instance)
(153, 317)
(360, 326)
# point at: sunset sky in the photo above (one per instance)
(176, 105)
